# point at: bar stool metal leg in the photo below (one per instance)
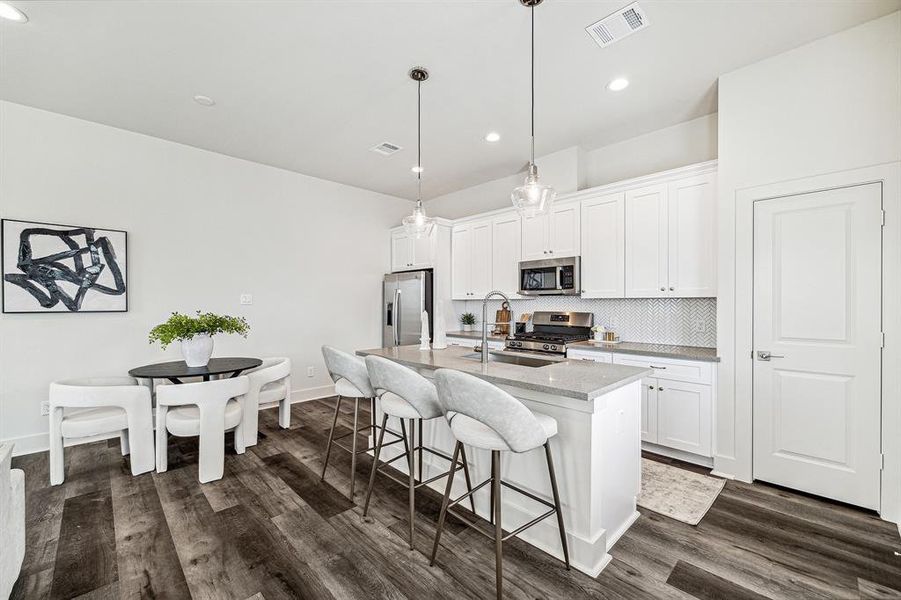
(412, 480)
(498, 530)
(553, 475)
(375, 463)
(443, 514)
(353, 446)
(472, 501)
(331, 435)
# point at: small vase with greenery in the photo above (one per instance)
(196, 334)
(468, 320)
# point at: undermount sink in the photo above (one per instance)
(523, 361)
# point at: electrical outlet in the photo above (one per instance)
(700, 326)
(246, 298)
(613, 323)
(45, 408)
(311, 371)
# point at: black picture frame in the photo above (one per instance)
(38, 309)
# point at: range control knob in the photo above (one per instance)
(554, 348)
(545, 346)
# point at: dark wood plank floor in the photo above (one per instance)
(269, 530)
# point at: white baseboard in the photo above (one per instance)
(40, 442)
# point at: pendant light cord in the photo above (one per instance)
(532, 12)
(419, 143)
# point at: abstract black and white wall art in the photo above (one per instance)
(63, 268)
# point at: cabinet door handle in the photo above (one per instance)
(650, 387)
(661, 368)
(663, 289)
(672, 289)
(550, 251)
(660, 389)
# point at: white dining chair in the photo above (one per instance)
(12, 521)
(270, 384)
(88, 407)
(207, 409)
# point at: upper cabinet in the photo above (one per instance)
(506, 239)
(409, 253)
(471, 259)
(670, 239)
(691, 239)
(552, 235)
(603, 246)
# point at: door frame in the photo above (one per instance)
(889, 176)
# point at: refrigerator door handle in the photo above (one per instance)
(397, 318)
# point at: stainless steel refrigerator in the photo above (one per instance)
(404, 297)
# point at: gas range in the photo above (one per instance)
(552, 332)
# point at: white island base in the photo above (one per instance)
(597, 456)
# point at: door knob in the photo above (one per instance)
(766, 355)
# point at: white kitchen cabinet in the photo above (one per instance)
(603, 246)
(677, 402)
(649, 410)
(691, 216)
(473, 342)
(471, 260)
(409, 252)
(506, 239)
(670, 239)
(646, 242)
(552, 235)
(684, 416)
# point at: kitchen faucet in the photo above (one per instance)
(485, 322)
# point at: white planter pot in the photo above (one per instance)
(197, 350)
(467, 327)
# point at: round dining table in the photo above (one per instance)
(176, 370)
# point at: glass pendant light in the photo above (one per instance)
(532, 197)
(418, 224)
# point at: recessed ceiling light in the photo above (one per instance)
(204, 100)
(416, 169)
(618, 84)
(11, 13)
(492, 136)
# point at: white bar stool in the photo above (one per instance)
(351, 381)
(405, 394)
(484, 416)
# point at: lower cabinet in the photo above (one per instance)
(472, 342)
(676, 402)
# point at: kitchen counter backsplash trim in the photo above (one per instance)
(672, 321)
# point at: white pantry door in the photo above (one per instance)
(817, 289)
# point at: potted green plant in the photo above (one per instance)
(468, 321)
(196, 334)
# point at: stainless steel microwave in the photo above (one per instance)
(550, 277)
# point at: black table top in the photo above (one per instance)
(178, 368)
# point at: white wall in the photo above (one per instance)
(202, 229)
(826, 107)
(677, 146)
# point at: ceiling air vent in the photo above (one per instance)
(618, 25)
(386, 148)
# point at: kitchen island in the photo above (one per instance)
(597, 449)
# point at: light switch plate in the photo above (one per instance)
(700, 326)
(246, 298)
(45, 408)
(311, 371)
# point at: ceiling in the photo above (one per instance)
(311, 86)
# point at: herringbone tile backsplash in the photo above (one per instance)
(679, 321)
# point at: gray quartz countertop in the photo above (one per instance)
(570, 378)
(664, 350)
(476, 335)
